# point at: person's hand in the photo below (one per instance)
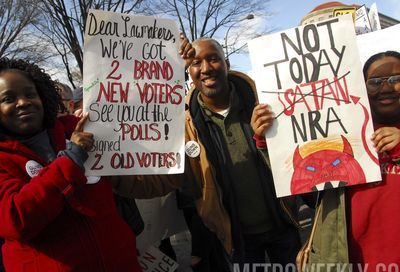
(79, 113)
(186, 50)
(261, 119)
(79, 137)
(385, 138)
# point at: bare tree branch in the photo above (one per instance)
(213, 18)
(65, 20)
(16, 15)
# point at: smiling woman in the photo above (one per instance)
(360, 219)
(51, 219)
(34, 84)
(382, 76)
(21, 109)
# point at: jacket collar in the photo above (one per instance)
(57, 139)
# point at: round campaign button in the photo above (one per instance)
(192, 149)
(33, 168)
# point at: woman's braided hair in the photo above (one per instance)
(47, 90)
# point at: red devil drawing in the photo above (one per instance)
(325, 169)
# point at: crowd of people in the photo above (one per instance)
(52, 219)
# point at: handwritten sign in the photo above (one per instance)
(374, 17)
(362, 21)
(133, 89)
(153, 260)
(311, 77)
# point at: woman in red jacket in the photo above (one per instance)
(50, 218)
(373, 208)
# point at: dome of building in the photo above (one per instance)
(327, 5)
(323, 12)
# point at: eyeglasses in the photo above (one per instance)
(374, 85)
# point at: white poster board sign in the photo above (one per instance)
(374, 17)
(161, 218)
(311, 77)
(378, 41)
(134, 90)
(362, 21)
(153, 260)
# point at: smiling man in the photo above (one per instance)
(238, 202)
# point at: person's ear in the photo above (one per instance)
(71, 106)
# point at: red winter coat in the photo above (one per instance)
(374, 239)
(54, 221)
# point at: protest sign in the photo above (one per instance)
(153, 260)
(161, 218)
(311, 76)
(362, 21)
(133, 89)
(374, 17)
(378, 41)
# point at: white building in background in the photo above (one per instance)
(326, 10)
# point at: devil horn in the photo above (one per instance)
(297, 157)
(347, 147)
